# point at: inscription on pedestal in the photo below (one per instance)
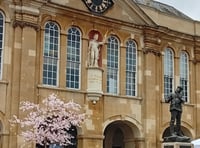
(185, 147)
(94, 80)
(177, 145)
(94, 84)
(167, 146)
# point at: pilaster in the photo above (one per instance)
(93, 136)
(152, 56)
(24, 61)
(197, 83)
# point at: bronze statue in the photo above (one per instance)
(176, 100)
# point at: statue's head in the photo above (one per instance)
(96, 36)
(179, 88)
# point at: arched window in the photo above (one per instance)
(168, 71)
(73, 58)
(184, 73)
(112, 65)
(131, 68)
(2, 26)
(51, 54)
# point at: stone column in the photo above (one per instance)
(24, 62)
(151, 87)
(196, 81)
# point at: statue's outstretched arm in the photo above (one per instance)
(168, 98)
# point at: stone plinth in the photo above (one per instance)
(176, 138)
(94, 84)
(177, 145)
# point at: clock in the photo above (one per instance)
(98, 6)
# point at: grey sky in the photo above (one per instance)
(190, 8)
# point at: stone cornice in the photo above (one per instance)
(196, 50)
(151, 41)
(172, 35)
(149, 50)
(26, 17)
(196, 55)
(22, 24)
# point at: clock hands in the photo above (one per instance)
(98, 6)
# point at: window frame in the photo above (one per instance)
(183, 53)
(116, 70)
(169, 50)
(2, 49)
(49, 57)
(133, 49)
(74, 62)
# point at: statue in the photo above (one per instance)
(176, 100)
(94, 48)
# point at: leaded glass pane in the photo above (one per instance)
(184, 74)
(112, 65)
(1, 42)
(50, 54)
(168, 71)
(73, 58)
(131, 68)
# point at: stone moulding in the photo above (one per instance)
(149, 50)
(23, 24)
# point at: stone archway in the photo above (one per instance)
(122, 134)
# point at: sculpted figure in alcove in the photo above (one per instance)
(94, 48)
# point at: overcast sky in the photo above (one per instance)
(189, 7)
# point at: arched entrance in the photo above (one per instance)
(122, 134)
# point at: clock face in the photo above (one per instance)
(98, 6)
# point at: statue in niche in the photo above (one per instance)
(95, 45)
(176, 100)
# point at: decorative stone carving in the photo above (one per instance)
(22, 24)
(26, 17)
(196, 50)
(151, 42)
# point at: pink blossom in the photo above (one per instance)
(49, 122)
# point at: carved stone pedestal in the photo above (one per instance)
(177, 145)
(94, 84)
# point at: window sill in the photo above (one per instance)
(4, 82)
(123, 96)
(58, 88)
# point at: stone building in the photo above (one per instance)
(147, 49)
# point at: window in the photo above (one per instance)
(168, 71)
(1, 42)
(112, 64)
(73, 58)
(131, 68)
(51, 54)
(184, 74)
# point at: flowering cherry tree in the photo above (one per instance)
(50, 121)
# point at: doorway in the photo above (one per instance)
(121, 134)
